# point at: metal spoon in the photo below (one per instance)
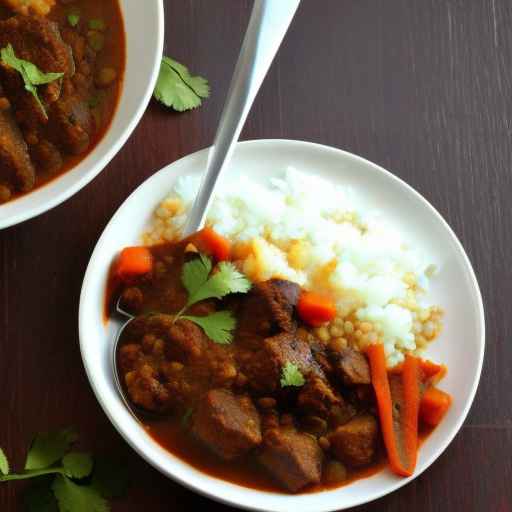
(267, 27)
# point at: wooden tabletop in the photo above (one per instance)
(421, 87)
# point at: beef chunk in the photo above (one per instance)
(317, 397)
(228, 424)
(70, 123)
(355, 442)
(46, 156)
(16, 169)
(263, 367)
(268, 308)
(292, 458)
(351, 366)
(37, 40)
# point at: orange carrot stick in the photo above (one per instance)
(434, 405)
(399, 425)
(315, 309)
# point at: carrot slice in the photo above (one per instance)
(210, 242)
(133, 262)
(398, 407)
(315, 309)
(434, 405)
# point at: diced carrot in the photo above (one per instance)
(213, 244)
(133, 262)
(434, 405)
(398, 409)
(315, 309)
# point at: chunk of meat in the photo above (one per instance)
(292, 458)
(351, 366)
(228, 424)
(70, 123)
(263, 367)
(268, 308)
(355, 443)
(46, 156)
(36, 40)
(16, 169)
(317, 396)
(41, 7)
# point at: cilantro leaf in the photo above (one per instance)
(177, 88)
(31, 74)
(291, 375)
(73, 19)
(39, 497)
(217, 326)
(227, 279)
(77, 464)
(195, 273)
(77, 498)
(197, 83)
(4, 463)
(223, 282)
(48, 448)
(109, 478)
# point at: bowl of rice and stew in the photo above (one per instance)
(316, 346)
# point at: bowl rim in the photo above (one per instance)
(226, 499)
(99, 166)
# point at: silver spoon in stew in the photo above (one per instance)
(267, 27)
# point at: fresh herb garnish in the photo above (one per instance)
(177, 88)
(4, 463)
(200, 285)
(60, 474)
(291, 375)
(73, 19)
(31, 74)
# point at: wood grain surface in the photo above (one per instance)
(421, 87)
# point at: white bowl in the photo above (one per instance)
(461, 345)
(144, 28)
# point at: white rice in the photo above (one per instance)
(324, 237)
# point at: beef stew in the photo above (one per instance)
(76, 51)
(229, 408)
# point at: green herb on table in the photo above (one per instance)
(200, 285)
(65, 480)
(291, 376)
(31, 74)
(177, 88)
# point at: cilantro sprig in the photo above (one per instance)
(32, 76)
(291, 375)
(65, 480)
(177, 88)
(201, 284)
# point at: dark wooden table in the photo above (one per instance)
(422, 87)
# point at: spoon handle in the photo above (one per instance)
(267, 27)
